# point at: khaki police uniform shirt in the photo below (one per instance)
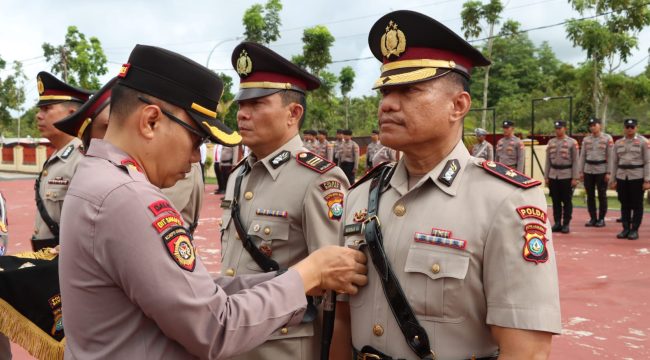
(483, 150)
(55, 179)
(349, 152)
(562, 152)
(128, 293)
(323, 149)
(456, 292)
(634, 151)
(596, 148)
(510, 152)
(187, 195)
(289, 211)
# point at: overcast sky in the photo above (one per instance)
(194, 28)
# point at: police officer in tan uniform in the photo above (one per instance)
(133, 287)
(631, 171)
(348, 155)
(90, 121)
(561, 175)
(323, 147)
(510, 149)
(282, 202)
(595, 163)
(482, 148)
(56, 101)
(446, 254)
(384, 154)
(337, 146)
(373, 147)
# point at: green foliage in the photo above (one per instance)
(227, 109)
(346, 78)
(316, 55)
(79, 61)
(262, 23)
(12, 93)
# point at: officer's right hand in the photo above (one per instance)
(333, 268)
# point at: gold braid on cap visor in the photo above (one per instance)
(226, 139)
(427, 68)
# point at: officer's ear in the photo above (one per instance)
(461, 102)
(148, 120)
(295, 114)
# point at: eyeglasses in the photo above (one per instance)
(202, 137)
(630, 126)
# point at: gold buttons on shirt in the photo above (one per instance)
(435, 268)
(378, 330)
(220, 221)
(284, 331)
(256, 227)
(267, 230)
(248, 195)
(230, 272)
(44, 172)
(47, 194)
(399, 210)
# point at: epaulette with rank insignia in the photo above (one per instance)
(314, 162)
(510, 175)
(372, 173)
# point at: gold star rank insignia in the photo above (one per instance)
(244, 64)
(393, 42)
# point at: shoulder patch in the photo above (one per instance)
(280, 159)
(510, 175)
(530, 211)
(372, 173)
(67, 152)
(161, 206)
(180, 248)
(314, 162)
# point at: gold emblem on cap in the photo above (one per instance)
(244, 64)
(393, 42)
(40, 86)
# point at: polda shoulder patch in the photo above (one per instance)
(314, 162)
(178, 243)
(508, 174)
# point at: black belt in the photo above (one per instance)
(628, 167)
(596, 162)
(561, 167)
(370, 353)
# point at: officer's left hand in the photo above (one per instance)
(574, 182)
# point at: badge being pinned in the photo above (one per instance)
(335, 205)
(360, 216)
(535, 246)
(179, 246)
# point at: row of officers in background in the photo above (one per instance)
(627, 159)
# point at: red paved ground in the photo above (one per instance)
(604, 282)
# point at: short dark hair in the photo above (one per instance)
(71, 104)
(124, 101)
(459, 79)
(290, 96)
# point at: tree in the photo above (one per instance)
(79, 61)
(346, 79)
(474, 12)
(12, 93)
(608, 40)
(316, 55)
(262, 23)
(225, 109)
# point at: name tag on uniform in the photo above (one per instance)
(226, 204)
(352, 229)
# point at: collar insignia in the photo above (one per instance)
(393, 42)
(280, 159)
(449, 172)
(244, 64)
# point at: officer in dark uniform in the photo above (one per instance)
(631, 171)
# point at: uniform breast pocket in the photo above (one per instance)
(435, 281)
(55, 193)
(620, 150)
(269, 235)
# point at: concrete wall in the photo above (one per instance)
(18, 164)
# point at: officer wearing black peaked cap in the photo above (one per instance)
(133, 286)
(441, 283)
